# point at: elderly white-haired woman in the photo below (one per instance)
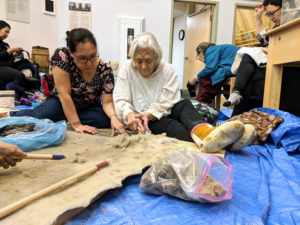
(147, 96)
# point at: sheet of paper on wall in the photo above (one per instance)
(80, 15)
(17, 10)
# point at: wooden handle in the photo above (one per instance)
(25, 201)
(43, 156)
(38, 156)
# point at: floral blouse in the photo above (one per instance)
(84, 94)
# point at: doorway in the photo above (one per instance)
(193, 23)
(244, 26)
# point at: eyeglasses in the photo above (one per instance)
(85, 60)
(270, 14)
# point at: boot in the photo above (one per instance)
(244, 140)
(211, 139)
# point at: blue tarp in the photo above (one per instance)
(266, 190)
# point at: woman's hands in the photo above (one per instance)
(265, 50)
(139, 122)
(84, 128)
(10, 155)
(259, 9)
(109, 109)
(116, 125)
(15, 51)
(133, 122)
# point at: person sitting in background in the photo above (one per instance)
(147, 96)
(10, 77)
(10, 155)
(218, 60)
(83, 87)
(249, 77)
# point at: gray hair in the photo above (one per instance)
(203, 46)
(145, 41)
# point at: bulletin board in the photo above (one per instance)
(17, 10)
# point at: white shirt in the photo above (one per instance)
(255, 53)
(156, 94)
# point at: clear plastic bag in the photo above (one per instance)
(190, 175)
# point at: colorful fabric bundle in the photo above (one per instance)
(264, 124)
(209, 114)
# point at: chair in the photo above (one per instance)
(224, 91)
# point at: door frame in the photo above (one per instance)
(236, 5)
(214, 22)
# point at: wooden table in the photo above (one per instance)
(284, 50)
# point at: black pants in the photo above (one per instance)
(247, 74)
(249, 82)
(11, 75)
(179, 124)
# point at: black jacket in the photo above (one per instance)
(5, 58)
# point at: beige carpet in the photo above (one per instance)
(127, 156)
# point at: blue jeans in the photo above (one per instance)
(52, 109)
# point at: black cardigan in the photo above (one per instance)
(5, 58)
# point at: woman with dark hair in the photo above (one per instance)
(83, 87)
(218, 60)
(10, 77)
(249, 77)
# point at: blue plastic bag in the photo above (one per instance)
(47, 133)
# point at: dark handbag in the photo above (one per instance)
(21, 62)
(20, 59)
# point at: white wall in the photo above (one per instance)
(41, 30)
(106, 25)
(49, 31)
(178, 47)
(2, 10)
